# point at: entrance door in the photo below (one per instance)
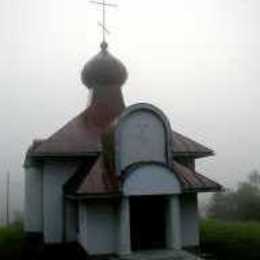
(148, 222)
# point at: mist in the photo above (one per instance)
(196, 60)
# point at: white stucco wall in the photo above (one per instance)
(98, 227)
(189, 220)
(151, 179)
(55, 174)
(142, 137)
(33, 199)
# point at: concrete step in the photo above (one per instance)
(158, 255)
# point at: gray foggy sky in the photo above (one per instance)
(197, 60)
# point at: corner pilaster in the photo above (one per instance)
(174, 223)
(124, 242)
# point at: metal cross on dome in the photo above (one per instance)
(104, 4)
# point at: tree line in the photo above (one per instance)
(241, 204)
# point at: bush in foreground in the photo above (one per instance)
(14, 246)
(229, 240)
(11, 241)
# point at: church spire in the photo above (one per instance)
(104, 69)
(104, 75)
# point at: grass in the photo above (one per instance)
(225, 240)
(14, 247)
(231, 240)
(11, 241)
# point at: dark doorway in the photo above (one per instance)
(148, 222)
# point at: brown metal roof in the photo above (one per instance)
(184, 146)
(77, 137)
(77, 178)
(99, 181)
(192, 181)
(82, 136)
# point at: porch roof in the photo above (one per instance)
(98, 181)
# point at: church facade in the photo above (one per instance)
(115, 179)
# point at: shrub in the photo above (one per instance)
(229, 240)
(11, 241)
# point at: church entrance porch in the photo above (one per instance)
(148, 222)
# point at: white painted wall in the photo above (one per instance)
(82, 236)
(173, 222)
(55, 174)
(71, 220)
(123, 229)
(142, 137)
(151, 179)
(98, 227)
(33, 199)
(189, 219)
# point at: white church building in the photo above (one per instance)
(115, 179)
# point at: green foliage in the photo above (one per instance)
(242, 204)
(11, 241)
(231, 240)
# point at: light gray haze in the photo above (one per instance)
(197, 60)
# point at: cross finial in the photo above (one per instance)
(104, 4)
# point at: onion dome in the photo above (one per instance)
(104, 69)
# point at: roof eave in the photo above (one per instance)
(204, 189)
(77, 196)
(63, 155)
(195, 155)
(38, 155)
